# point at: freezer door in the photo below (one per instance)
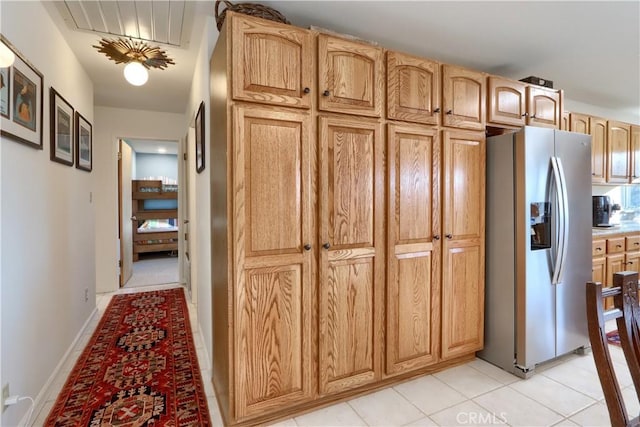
(536, 239)
(574, 152)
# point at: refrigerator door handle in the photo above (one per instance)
(559, 241)
(565, 219)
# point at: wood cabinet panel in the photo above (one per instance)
(635, 154)
(413, 89)
(632, 261)
(615, 263)
(615, 245)
(272, 271)
(564, 121)
(462, 298)
(507, 102)
(632, 243)
(618, 143)
(599, 268)
(543, 107)
(579, 123)
(598, 247)
(463, 98)
(273, 323)
(351, 270)
(272, 63)
(598, 131)
(350, 76)
(413, 271)
(463, 245)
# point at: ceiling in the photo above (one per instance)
(589, 49)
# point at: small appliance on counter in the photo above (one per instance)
(602, 211)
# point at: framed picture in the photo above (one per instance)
(84, 143)
(61, 127)
(200, 138)
(21, 97)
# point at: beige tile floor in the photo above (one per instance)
(565, 392)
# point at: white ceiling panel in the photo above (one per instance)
(176, 17)
(129, 19)
(93, 12)
(144, 10)
(77, 13)
(161, 21)
(111, 16)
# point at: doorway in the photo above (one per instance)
(148, 206)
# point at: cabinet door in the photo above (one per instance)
(413, 89)
(598, 131)
(272, 63)
(506, 102)
(463, 98)
(615, 263)
(618, 143)
(350, 76)
(598, 269)
(272, 269)
(579, 123)
(635, 154)
(543, 107)
(463, 244)
(413, 270)
(351, 271)
(564, 121)
(632, 261)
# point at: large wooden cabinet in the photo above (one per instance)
(635, 155)
(618, 144)
(351, 272)
(463, 245)
(347, 218)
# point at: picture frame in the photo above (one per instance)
(199, 125)
(21, 100)
(83, 143)
(61, 129)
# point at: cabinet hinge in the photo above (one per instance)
(186, 236)
(119, 263)
(119, 155)
(184, 156)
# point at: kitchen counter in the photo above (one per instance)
(624, 228)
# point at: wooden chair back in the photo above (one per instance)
(627, 314)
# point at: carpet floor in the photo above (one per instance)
(139, 368)
(154, 271)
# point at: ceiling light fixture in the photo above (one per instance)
(6, 56)
(138, 56)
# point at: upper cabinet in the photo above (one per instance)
(350, 76)
(635, 154)
(413, 89)
(507, 102)
(598, 132)
(543, 107)
(272, 63)
(579, 123)
(618, 144)
(463, 98)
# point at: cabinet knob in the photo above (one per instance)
(133, 218)
(326, 93)
(449, 112)
(636, 244)
(593, 173)
(449, 236)
(618, 246)
(307, 247)
(598, 249)
(436, 237)
(436, 110)
(630, 262)
(533, 116)
(326, 245)
(306, 90)
(525, 114)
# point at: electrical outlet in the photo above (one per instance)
(86, 294)
(5, 395)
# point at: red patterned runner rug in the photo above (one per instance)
(140, 368)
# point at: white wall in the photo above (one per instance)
(111, 124)
(47, 222)
(156, 165)
(594, 110)
(201, 215)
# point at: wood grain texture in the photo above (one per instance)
(463, 98)
(351, 272)
(598, 132)
(413, 89)
(272, 62)
(352, 75)
(564, 121)
(618, 144)
(543, 107)
(463, 245)
(598, 247)
(634, 152)
(579, 123)
(273, 340)
(413, 271)
(506, 102)
(272, 277)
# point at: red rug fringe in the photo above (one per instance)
(613, 338)
(140, 368)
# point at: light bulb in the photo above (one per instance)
(6, 56)
(135, 73)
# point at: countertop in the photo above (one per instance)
(625, 227)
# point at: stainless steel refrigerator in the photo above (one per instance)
(538, 250)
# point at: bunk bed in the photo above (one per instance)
(155, 209)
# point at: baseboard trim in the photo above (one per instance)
(40, 400)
